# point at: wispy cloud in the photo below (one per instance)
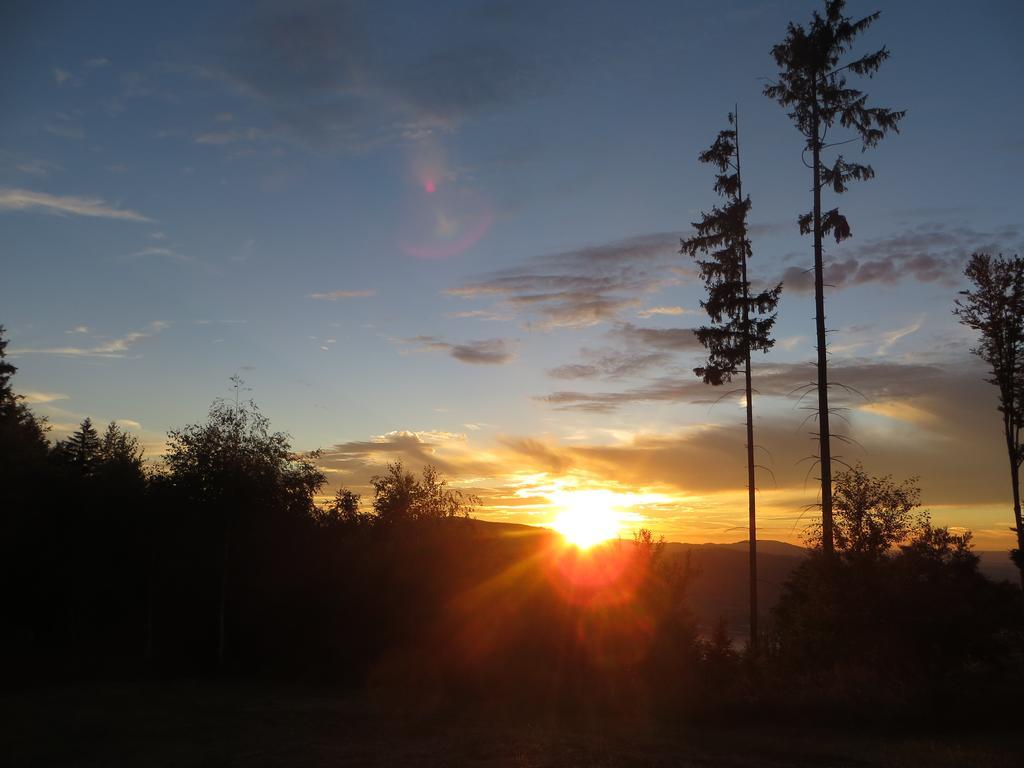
(672, 311)
(676, 339)
(38, 398)
(610, 364)
(934, 252)
(65, 130)
(789, 343)
(62, 76)
(881, 379)
(117, 347)
(890, 338)
(581, 287)
(28, 165)
(231, 136)
(344, 294)
(862, 337)
(481, 314)
(482, 352)
(161, 252)
(64, 205)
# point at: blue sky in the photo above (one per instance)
(447, 232)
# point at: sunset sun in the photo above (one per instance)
(586, 517)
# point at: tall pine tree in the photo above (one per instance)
(812, 85)
(82, 448)
(741, 320)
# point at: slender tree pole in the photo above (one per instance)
(824, 431)
(742, 322)
(749, 397)
(812, 85)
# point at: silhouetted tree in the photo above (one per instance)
(394, 494)
(81, 449)
(720, 661)
(7, 371)
(236, 467)
(995, 308)
(646, 547)
(119, 447)
(812, 85)
(398, 496)
(437, 501)
(26, 490)
(742, 320)
(22, 433)
(901, 609)
(344, 511)
(119, 465)
(871, 514)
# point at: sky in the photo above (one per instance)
(448, 233)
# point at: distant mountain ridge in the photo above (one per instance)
(719, 590)
(764, 546)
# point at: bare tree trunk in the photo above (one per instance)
(752, 511)
(824, 453)
(1018, 523)
(749, 391)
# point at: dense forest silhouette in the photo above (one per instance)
(217, 561)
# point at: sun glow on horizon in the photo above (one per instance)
(588, 517)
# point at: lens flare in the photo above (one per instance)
(444, 217)
(443, 221)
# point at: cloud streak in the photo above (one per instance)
(610, 364)
(671, 311)
(111, 348)
(335, 295)
(581, 287)
(929, 253)
(39, 398)
(482, 352)
(64, 205)
(673, 339)
(882, 380)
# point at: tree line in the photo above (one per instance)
(218, 560)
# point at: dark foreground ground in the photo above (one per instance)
(204, 724)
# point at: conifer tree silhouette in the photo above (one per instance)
(741, 321)
(83, 447)
(812, 85)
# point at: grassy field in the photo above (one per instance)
(203, 724)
